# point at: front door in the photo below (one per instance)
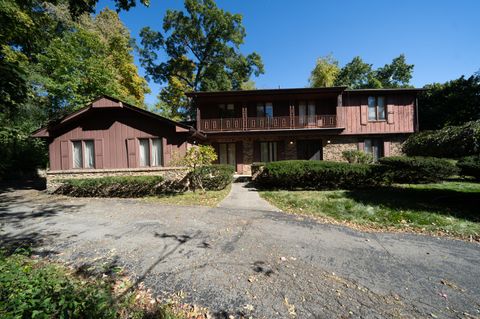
(309, 150)
(227, 154)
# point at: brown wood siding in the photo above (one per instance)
(399, 118)
(115, 133)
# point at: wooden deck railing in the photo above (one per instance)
(268, 123)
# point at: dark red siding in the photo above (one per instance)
(115, 132)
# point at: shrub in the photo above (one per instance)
(30, 289)
(115, 186)
(413, 170)
(319, 175)
(450, 141)
(357, 157)
(215, 177)
(470, 166)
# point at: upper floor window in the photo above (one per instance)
(83, 154)
(226, 110)
(265, 109)
(150, 152)
(376, 108)
(306, 108)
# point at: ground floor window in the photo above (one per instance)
(150, 152)
(309, 150)
(227, 153)
(83, 154)
(374, 147)
(268, 151)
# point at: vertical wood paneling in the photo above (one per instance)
(113, 127)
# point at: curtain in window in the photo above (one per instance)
(89, 154)
(381, 107)
(231, 154)
(260, 110)
(223, 156)
(269, 109)
(144, 152)
(302, 112)
(272, 151)
(372, 113)
(264, 152)
(268, 151)
(77, 154)
(156, 152)
(311, 112)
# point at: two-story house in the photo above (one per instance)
(307, 123)
(109, 136)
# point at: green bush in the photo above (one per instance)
(33, 289)
(357, 157)
(450, 141)
(216, 176)
(115, 186)
(470, 166)
(414, 170)
(319, 175)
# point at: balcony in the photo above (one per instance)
(267, 123)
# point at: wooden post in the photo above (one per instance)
(244, 116)
(292, 114)
(339, 111)
(199, 126)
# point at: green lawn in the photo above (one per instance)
(208, 198)
(449, 207)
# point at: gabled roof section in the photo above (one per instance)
(109, 102)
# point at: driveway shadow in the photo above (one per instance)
(460, 204)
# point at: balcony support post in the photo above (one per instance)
(244, 116)
(199, 125)
(339, 111)
(292, 115)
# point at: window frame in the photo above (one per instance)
(150, 151)
(272, 151)
(225, 111)
(264, 106)
(83, 153)
(375, 144)
(376, 107)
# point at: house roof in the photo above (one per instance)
(106, 101)
(334, 89)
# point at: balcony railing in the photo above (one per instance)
(268, 123)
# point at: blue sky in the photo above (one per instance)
(442, 38)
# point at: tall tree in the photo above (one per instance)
(201, 46)
(452, 103)
(396, 74)
(92, 58)
(325, 72)
(357, 74)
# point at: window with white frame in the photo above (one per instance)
(376, 108)
(150, 152)
(83, 154)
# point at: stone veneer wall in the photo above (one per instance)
(54, 178)
(396, 146)
(333, 151)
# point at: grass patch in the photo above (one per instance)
(448, 207)
(207, 198)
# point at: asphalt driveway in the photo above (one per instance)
(253, 262)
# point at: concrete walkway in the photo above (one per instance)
(244, 196)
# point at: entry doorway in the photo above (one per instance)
(227, 154)
(310, 150)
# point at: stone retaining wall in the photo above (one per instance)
(54, 178)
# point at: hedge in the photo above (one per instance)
(414, 170)
(470, 166)
(299, 174)
(216, 177)
(450, 141)
(115, 186)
